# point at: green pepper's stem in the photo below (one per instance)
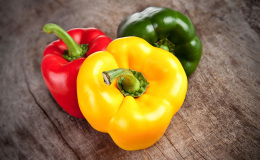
(129, 82)
(74, 50)
(165, 44)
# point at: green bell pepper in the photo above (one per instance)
(167, 29)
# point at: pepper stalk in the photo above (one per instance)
(166, 45)
(74, 50)
(130, 82)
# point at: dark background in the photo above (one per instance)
(218, 120)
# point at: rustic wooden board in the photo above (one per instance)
(218, 120)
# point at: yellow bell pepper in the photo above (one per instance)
(134, 121)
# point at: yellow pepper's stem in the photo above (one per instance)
(130, 83)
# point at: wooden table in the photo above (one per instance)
(218, 120)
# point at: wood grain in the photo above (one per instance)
(218, 120)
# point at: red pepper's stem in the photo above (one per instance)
(74, 50)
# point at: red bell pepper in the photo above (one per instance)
(63, 58)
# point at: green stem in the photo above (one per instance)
(129, 82)
(165, 44)
(74, 49)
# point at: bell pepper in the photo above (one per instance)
(167, 29)
(131, 91)
(63, 58)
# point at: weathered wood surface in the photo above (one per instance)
(218, 120)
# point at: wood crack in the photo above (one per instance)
(161, 151)
(198, 152)
(173, 146)
(187, 125)
(147, 154)
(45, 113)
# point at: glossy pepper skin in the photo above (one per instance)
(157, 23)
(133, 123)
(60, 75)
